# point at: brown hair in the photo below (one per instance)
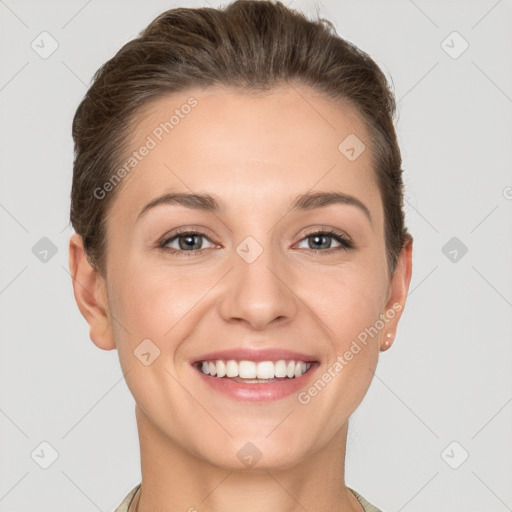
(249, 45)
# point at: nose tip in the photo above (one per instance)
(257, 294)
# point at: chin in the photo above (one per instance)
(252, 456)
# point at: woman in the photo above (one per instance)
(240, 240)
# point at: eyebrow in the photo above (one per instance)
(303, 202)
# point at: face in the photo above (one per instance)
(264, 277)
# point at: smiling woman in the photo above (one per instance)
(250, 260)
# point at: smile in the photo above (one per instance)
(254, 371)
(255, 381)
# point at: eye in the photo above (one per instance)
(190, 242)
(321, 241)
(185, 242)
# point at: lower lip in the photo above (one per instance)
(258, 392)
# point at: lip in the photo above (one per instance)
(257, 392)
(262, 392)
(257, 355)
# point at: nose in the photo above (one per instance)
(258, 293)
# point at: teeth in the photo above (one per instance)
(221, 368)
(290, 370)
(264, 370)
(300, 368)
(231, 369)
(246, 370)
(280, 369)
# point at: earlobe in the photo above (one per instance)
(388, 341)
(89, 289)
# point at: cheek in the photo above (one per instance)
(148, 307)
(159, 304)
(347, 300)
(349, 307)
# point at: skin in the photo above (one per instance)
(255, 153)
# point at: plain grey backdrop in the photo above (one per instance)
(434, 431)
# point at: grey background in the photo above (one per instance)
(448, 376)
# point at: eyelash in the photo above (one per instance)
(346, 243)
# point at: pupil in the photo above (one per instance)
(189, 242)
(318, 238)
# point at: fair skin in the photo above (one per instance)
(255, 154)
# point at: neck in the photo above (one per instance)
(174, 479)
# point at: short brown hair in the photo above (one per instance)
(249, 45)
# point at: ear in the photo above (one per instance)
(397, 294)
(89, 289)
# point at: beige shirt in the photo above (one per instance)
(123, 507)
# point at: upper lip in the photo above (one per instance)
(252, 354)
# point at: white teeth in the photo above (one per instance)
(280, 368)
(221, 368)
(231, 369)
(247, 370)
(264, 370)
(290, 370)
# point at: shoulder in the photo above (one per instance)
(367, 506)
(125, 504)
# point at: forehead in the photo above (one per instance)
(268, 147)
